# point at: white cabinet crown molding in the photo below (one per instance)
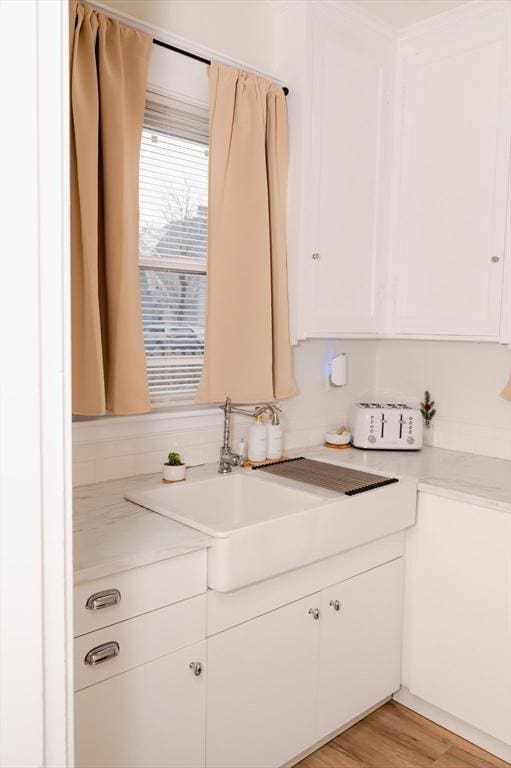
(351, 9)
(470, 9)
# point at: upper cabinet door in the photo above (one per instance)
(454, 178)
(349, 144)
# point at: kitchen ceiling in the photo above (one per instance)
(401, 13)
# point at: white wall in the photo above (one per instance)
(464, 378)
(238, 29)
(105, 449)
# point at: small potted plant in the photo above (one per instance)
(428, 409)
(174, 468)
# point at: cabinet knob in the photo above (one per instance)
(102, 653)
(103, 599)
(196, 667)
(495, 259)
(316, 256)
(314, 612)
(335, 605)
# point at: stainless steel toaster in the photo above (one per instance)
(390, 426)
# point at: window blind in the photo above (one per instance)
(173, 247)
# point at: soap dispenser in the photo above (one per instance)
(274, 435)
(257, 440)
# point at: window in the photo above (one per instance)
(173, 247)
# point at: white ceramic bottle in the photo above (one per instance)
(274, 435)
(257, 441)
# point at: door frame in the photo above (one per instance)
(36, 716)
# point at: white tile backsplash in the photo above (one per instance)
(464, 378)
(114, 467)
(146, 463)
(85, 452)
(143, 459)
(470, 438)
(84, 472)
(466, 418)
(105, 449)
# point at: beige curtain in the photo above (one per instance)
(248, 354)
(108, 85)
(506, 392)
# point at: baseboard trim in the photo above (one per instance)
(326, 739)
(454, 724)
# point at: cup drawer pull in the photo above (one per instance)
(102, 653)
(103, 599)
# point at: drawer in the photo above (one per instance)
(138, 640)
(106, 601)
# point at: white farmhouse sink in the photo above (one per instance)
(263, 526)
(224, 504)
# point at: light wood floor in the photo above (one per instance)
(395, 737)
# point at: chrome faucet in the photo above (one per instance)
(228, 458)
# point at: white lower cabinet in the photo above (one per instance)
(262, 689)
(151, 716)
(268, 688)
(457, 650)
(280, 683)
(360, 648)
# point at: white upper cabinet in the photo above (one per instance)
(397, 184)
(341, 78)
(453, 179)
(350, 111)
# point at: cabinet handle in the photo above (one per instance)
(103, 599)
(196, 667)
(335, 605)
(316, 256)
(314, 612)
(495, 259)
(102, 653)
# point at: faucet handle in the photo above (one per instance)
(275, 410)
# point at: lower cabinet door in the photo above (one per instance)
(458, 612)
(262, 688)
(360, 656)
(152, 716)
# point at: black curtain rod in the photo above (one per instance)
(190, 55)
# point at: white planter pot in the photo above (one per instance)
(172, 474)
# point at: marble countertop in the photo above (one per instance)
(112, 534)
(467, 477)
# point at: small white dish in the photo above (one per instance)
(334, 439)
